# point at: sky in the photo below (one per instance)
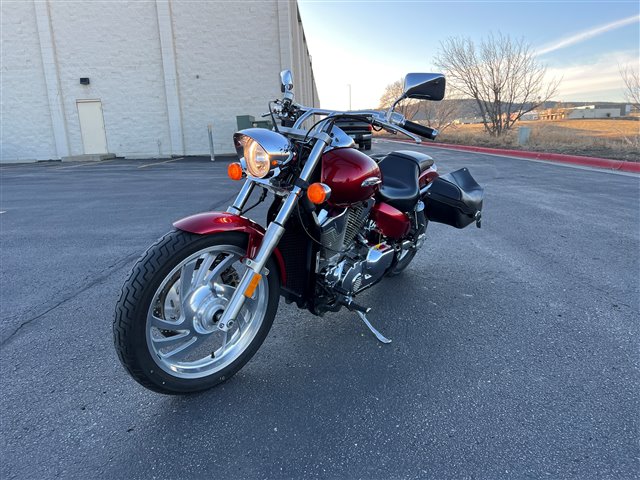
(369, 44)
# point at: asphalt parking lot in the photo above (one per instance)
(515, 347)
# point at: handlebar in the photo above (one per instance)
(392, 121)
(421, 130)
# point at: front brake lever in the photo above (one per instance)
(396, 129)
(409, 134)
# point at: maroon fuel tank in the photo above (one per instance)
(344, 170)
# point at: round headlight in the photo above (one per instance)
(257, 159)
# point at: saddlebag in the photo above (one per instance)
(454, 199)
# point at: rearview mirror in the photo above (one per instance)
(424, 86)
(286, 81)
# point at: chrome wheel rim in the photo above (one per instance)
(182, 320)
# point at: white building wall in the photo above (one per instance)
(116, 45)
(300, 60)
(594, 113)
(27, 132)
(227, 58)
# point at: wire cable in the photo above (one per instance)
(263, 195)
(311, 236)
(273, 118)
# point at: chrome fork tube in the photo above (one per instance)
(241, 199)
(272, 236)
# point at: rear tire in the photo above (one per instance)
(402, 263)
(153, 297)
(406, 256)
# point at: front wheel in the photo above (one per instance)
(166, 322)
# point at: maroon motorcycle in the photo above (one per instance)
(201, 300)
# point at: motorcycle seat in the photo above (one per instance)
(424, 161)
(400, 171)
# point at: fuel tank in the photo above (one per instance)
(344, 170)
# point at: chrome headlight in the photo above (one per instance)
(262, 149)
(257, 159)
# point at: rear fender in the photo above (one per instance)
(428, 176)
(209, 223)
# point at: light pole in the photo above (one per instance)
(349, 85)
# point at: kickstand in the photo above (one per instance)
(378, 335)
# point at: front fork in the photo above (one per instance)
(273, 234)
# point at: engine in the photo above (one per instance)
(349, 262)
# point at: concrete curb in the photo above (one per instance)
(619, 165)
(91, 157)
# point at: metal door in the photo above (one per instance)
(94, 138)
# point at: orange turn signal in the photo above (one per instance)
(318, 193)
(234, 170)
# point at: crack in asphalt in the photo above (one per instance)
(102, 276)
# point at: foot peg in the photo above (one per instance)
(378, 335)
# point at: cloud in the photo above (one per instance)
(586, 35)
(597, 80)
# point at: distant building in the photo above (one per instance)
(469, 120)
(584, 111)
(142, 78)
(552, 114)
(593, 111)
(532, 115)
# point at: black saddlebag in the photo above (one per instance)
(454, 199)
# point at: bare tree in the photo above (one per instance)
(502, 75)
(631, 78)
(392, 92)
(440, 115)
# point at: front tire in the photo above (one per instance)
(165, 325)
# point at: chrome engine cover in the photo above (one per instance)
(338, 233)
(353, 276)
(347, 262)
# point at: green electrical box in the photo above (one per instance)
(245, 121)
(248, 121)
(263, 124)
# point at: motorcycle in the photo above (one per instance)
(200, 302)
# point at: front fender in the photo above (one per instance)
(209, 223)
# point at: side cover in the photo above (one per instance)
(209, 223)
(454, 199)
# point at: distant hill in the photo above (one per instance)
(468, 107)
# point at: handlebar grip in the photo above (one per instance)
(426, 132)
